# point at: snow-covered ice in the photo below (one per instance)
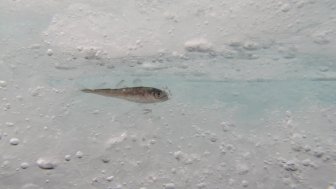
(252, 94)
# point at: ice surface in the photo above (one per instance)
(252, 86)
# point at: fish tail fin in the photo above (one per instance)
(87, 90)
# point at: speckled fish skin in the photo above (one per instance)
(134, 94)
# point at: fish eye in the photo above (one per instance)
(158, 94)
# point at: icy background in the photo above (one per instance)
(253, 87)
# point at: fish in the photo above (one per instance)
(135, 94)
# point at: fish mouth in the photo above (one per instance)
(164, 98)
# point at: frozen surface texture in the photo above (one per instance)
(253, 87)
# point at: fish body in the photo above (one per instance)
(134, 94)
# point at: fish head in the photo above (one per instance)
(159, 95)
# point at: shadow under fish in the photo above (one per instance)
(134, 94)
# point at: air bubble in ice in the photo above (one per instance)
(24, 165)
(79, 154)
(49, 52)
(324, 68)
(30, 186)
(201, 185)
(105, 159)
(321, 38)
(46, 163)
(3, 84)
(242, 169)
(231, 181)
(178, 155)
(110, 178)
(169, 186)
(117, 139)
(285, 7)
(213, 138)
(198, 45)
(291, 166)
(7, 106)
(67, 157)
(249, 45)
(9, 124)
(318, 152)
(245, 183)
(306, 162)
(36, 91)
(14, 141)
